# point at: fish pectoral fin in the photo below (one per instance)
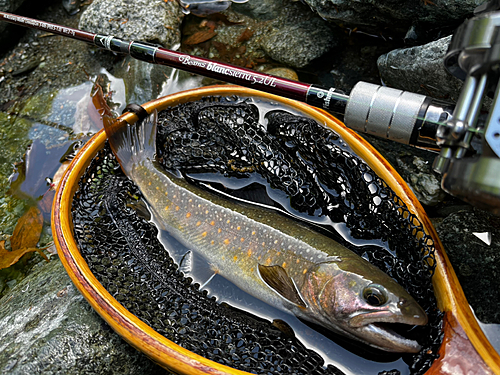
(277, 279)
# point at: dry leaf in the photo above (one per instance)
(200, 37)
(28, 230)
(45, 205)
(8, 258)
(245, 36)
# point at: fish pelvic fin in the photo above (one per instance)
(134, 143)
(278, 280)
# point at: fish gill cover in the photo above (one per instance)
(319, 178)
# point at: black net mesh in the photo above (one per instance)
(123, 251)
(306, 170)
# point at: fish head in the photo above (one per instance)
(357, 299)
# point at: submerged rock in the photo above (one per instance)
(154, 21)
(46, 326)
(71, 6)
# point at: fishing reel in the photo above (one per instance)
(468, 141)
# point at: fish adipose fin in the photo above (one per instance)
(278, 280)
(133, 143)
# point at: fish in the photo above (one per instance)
(268, 255)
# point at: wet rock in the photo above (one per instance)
(476, 263)
(421, 70)
(294, 37)
(143, 81)
(155, 21)
(393, 13)
(425, 184)
(10, 5)
(46, 326)
(13, 142)
(297, 40)
(262, 10)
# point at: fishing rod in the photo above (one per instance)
(393, 114)
(388, 113)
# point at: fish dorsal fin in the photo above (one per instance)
(278, 280)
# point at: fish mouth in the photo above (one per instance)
(416, 316)
(385, 338)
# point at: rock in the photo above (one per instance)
(421, 70)
(476, 263)
(261, 10)
(393, 13)
(427, 188)
(46, 326)
(143, 81)
(7, 31)
(297, 40)
(295, 37)
(283, 73)
(154, 21)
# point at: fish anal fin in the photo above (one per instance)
(186, 263)
(277, 279)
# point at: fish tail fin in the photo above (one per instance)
(134, 143)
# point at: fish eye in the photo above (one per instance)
(375, 295)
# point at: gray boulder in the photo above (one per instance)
(298, 38)
(289, 34)
(154, 21)
(395, 13)
(46, 326)
(420, 70)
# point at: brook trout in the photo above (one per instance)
(269, 256)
